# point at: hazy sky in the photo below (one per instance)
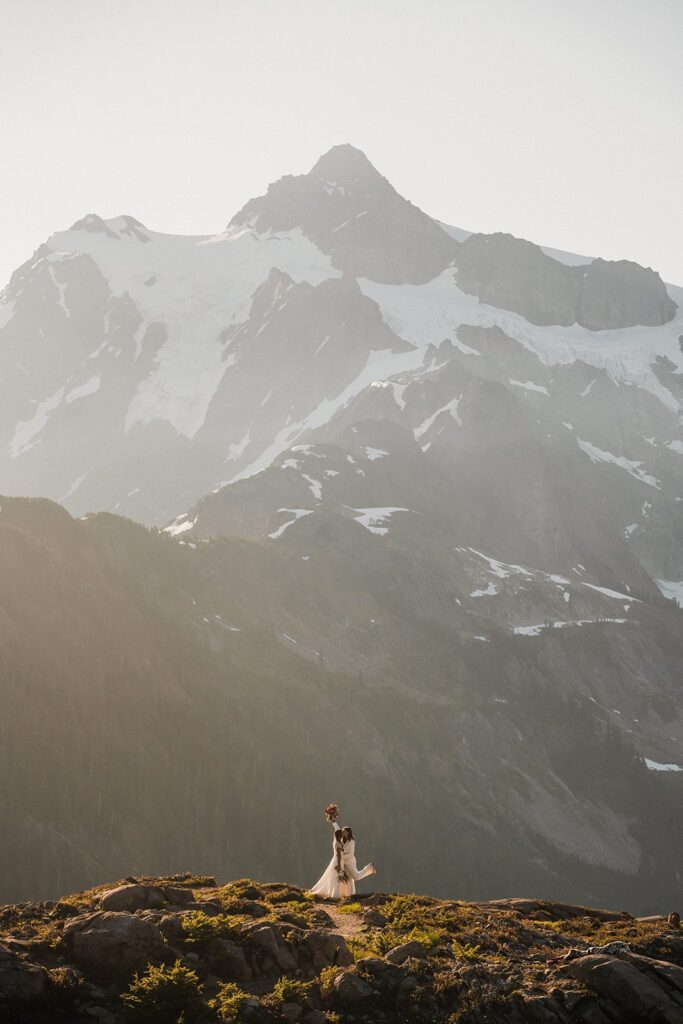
(557, 120)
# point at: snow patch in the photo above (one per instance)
(611, 593)
(672, 589)
(91, 387)
(541, 626)
(73, 488)
(374, 453)
(237, 447)
(315, 487)
(451, 407)
(26, 430)
(489, 592)
(530, 386)
(655, 766)
(633, 468)
(180, 525)
(296, 512)
(373, 519)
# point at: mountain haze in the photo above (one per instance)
(413, 541)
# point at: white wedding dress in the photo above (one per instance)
(329, 887)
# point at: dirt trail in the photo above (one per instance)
(348, 925)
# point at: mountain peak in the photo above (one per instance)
(354, 216)
(344, 163)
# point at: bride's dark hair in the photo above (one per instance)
(338, 834)
(347, 828)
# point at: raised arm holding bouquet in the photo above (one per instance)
(338, 881)
(332, 885)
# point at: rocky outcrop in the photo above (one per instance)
(106, 939)
(407, 958)
(638, 987)
(514, 274)
(135, 896)
(20, 980)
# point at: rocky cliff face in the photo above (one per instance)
(185, 948)
(514, 274)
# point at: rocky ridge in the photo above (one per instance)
(185, 948)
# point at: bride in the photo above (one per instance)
(332, 885)
(339, 880)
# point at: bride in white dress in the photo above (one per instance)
(330, 886)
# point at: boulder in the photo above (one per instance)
(108, 939)
(207, 907)
(252, 908)
(315, 1017)
(171, 927)
(285, 959)
(384, 975)
(178, 895)
(132, 897)
(661, 970)
(352, 990)
(326, 949)
(373, 919)
(638, 986)
(20, 980)
(233, 963)
(291, 1012)
(265, 936)
(269, 937)
(399, 954)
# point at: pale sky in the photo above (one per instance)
(557, 120)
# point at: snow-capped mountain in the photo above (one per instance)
(123, 348)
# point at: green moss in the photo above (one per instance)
(165, 995)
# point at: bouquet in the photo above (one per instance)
(331, 812)
(342, 876)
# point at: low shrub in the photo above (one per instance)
(288, 990)
(326, 980)
(201, 929)
(165, 995)
(229, 1003)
